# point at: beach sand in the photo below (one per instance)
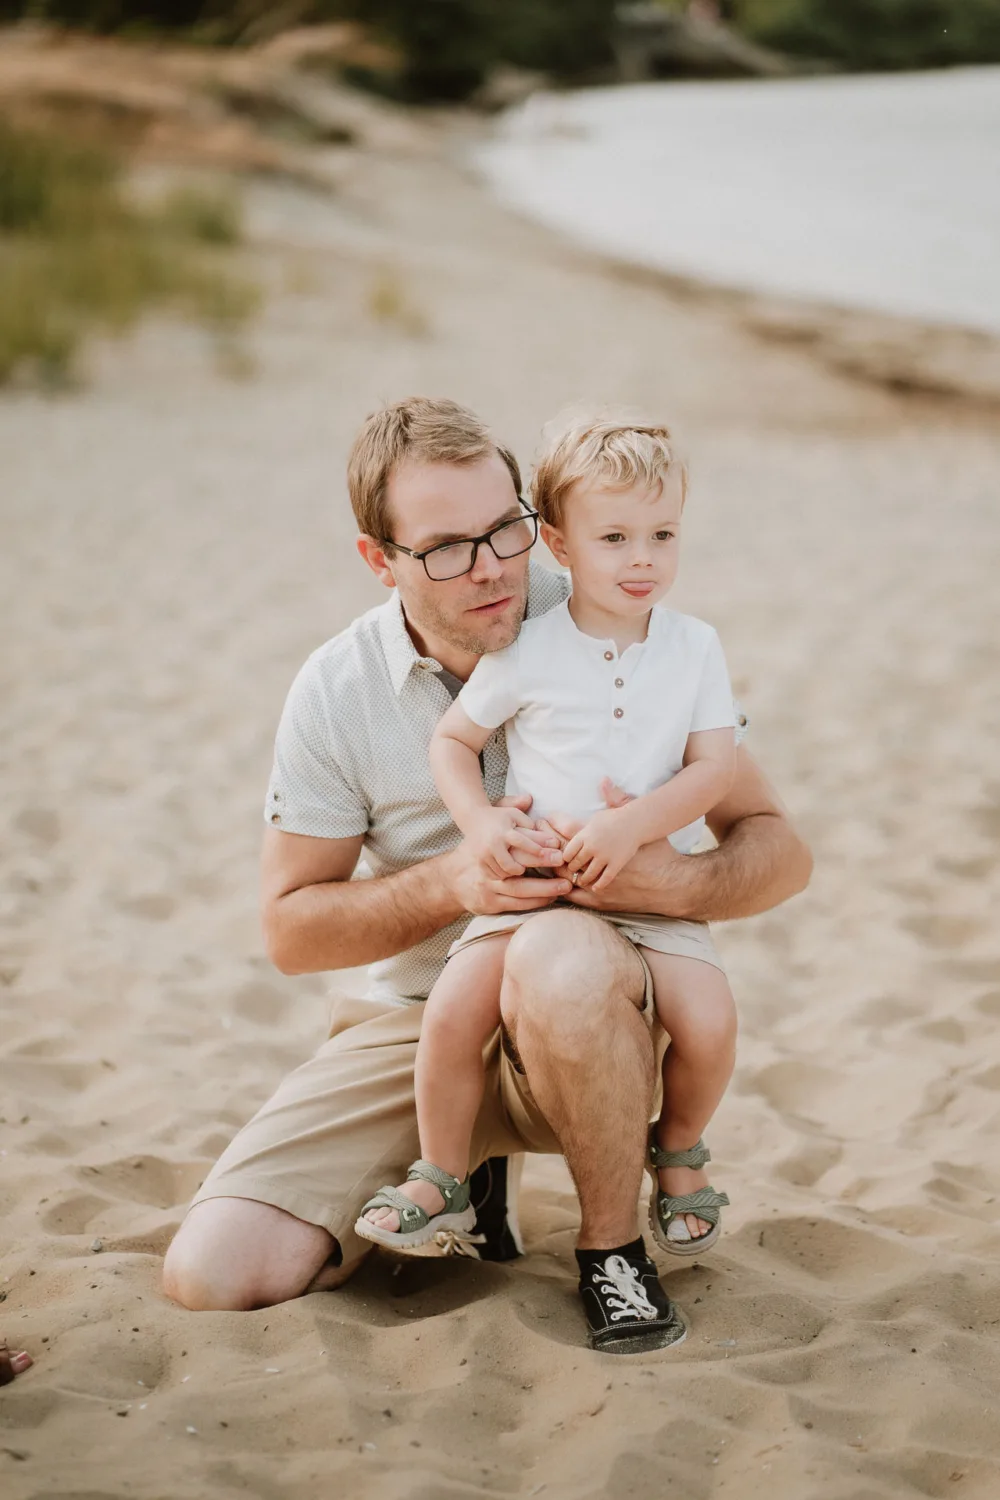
(173, 547)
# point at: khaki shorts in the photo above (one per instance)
(643, 929)
(344, 1123)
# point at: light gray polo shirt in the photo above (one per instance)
(351, 757)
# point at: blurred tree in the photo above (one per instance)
(873, 34)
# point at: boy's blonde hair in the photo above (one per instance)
(604, 451)
(421, 428)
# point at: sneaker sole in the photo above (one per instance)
(669, 1336)
(515, 1171)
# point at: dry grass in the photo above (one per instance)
(77, 258)
(389, 302)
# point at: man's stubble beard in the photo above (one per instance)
(477, 643)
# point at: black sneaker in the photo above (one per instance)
(627, 1309)
(495, 1187)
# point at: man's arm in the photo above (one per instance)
(315, 917)
(760, 862)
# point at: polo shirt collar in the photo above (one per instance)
(401, 655)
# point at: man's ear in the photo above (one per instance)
(375, 556)
(554, 541)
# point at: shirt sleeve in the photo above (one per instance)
(713, 706)
(310, 790)
(492, 694)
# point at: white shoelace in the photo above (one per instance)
(623, 1292)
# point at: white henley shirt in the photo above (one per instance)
(576, 710)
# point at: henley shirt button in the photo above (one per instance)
(742, 721)
(609, 656)
(619, 713)
(275, 817)
(619, 682)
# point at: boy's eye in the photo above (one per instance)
(663, 536)
(614, 536)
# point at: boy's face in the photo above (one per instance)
(621, 545)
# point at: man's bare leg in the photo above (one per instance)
(233, 1255)
(571, 1001)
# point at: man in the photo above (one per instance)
(433, 495)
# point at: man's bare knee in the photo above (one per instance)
(234, 1255)
(200, 1284)
(569, 973)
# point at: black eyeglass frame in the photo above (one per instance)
(476, 541)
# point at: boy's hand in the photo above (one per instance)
(506, 842)
(601, 849)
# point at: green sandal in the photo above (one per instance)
(706, 1203)
(416, 1227)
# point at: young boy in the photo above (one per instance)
(608, 686)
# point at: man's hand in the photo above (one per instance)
(602, 849)
(487, 893)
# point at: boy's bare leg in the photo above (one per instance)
(571, 1001)
(461, 1014)
(696, 1009)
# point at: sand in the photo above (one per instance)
(173, 546)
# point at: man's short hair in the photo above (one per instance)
(606, 452)
(422, 430)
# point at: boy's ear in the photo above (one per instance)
(375, 556)
(554, 541)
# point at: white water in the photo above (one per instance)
(877, 192)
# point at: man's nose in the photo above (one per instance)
(487, 565)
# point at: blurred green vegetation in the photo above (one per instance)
(77, 258)
(876, 34)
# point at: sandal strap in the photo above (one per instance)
(695, 1156)
(455, 1193)
(705, 1204)
(411, 1215)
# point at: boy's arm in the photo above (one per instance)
(454, 755)
(502, 836)
(760, 862)
(612, 838)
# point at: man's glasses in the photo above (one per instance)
(452, 559)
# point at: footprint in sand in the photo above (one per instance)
(795, 1089)
(828, 1250)
(40, 824)
(74, 1213)
(262, 1003)
(887, 1010)
(145, 1179)
(989, 1005)
(946, 1030)
(808, 1165)
(155, 907)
